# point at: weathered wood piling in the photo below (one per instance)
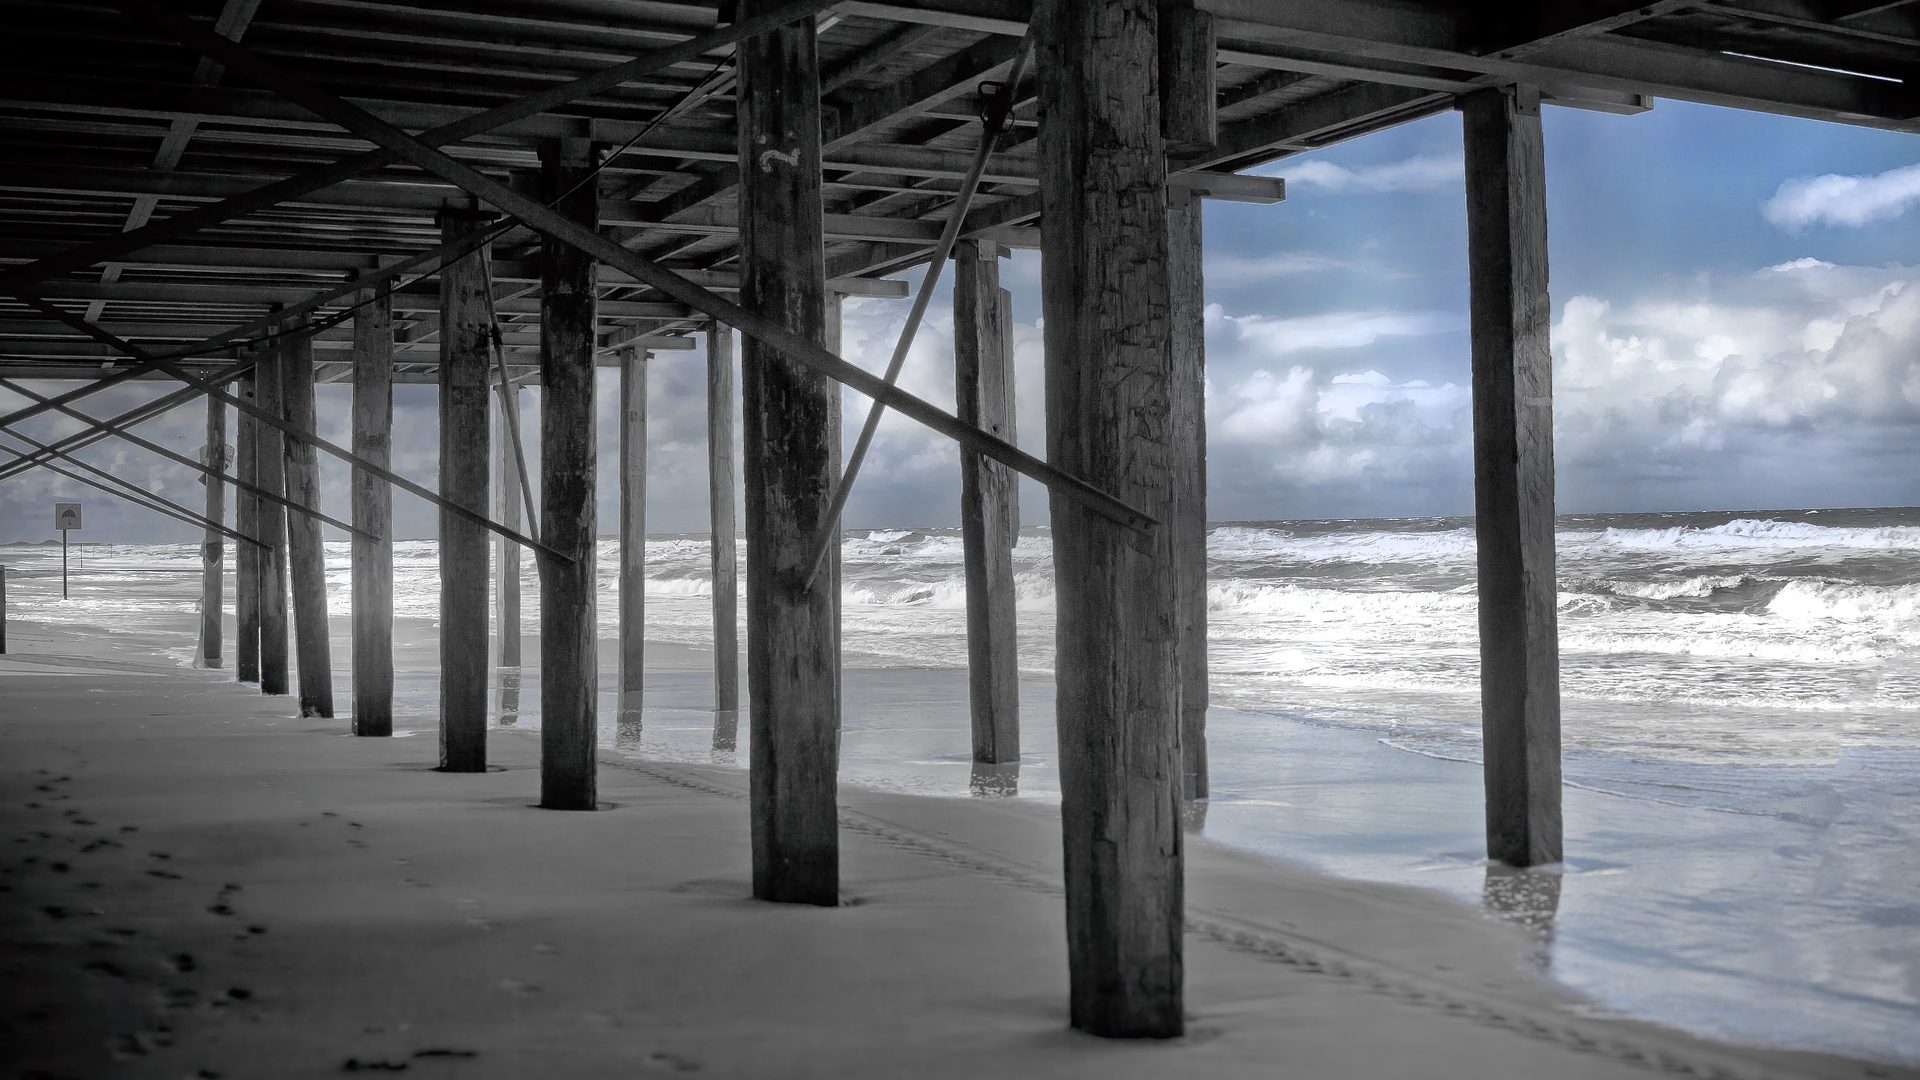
(246, 522)
(466, 364)
(1511, 316)
(989, 499)
(633, 527)
(721, 520)
(788, 413)
(306, 559)
(1106, 297)
(213, 544)
(373, 513)
(271, 476)
(569, 661)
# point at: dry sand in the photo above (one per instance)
(198, 885)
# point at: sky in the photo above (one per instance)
(1736, 303)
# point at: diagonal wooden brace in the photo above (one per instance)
(548, 222)
(279, 424)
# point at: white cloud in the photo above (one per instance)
(1325, 330)
(1844, 201)
(1422, 172)
(1227, 270)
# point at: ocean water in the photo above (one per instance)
(1741, 699)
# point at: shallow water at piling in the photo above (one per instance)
(1742, 726)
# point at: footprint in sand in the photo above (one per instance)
(183, 963)
(667, 1059)
(519, 986)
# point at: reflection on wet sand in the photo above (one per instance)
(509, 703)
(995, 781)
(1530, 899)
(626, 734)
(726, 731)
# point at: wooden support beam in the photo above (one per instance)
(306, 559)
(373, 514)
(466, 358)
(507, 499)
(213, 545)
(720, 519)
(558, 228)
(271, 478)
(1188, 111)
(246, 520)
(1104, 284)
(569, 658)
(989, 499)
(1187, 289)
(1513, 472)
(454, 131)
(633, 527)
(788, 413)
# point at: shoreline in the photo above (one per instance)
(411, 918)
(1678, 912)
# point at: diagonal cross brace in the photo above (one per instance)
(157, 505)
(182, 459)
(131, 493)
(139, 414)
(280, 424)
(346, 169)
(548, 222)
(431, 259)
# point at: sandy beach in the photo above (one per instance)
(198, 884)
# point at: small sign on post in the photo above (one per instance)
(66, 516)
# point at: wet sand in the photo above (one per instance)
(197, 884)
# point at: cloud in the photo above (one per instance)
(1422, 172)
(1844, 201)
(1226, 270)
(1325, 330)
(1689, 379)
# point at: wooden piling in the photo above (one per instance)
(1186, 285)
(1513, 472)
(720, 517)
(466, 363)
(306, 559)
(633, 525)
(213, 545)
(506, 554)
(246, 521)
(788, 416)
(1104, 283)
(373, 512)
(272, 478)
(569, 663)
(989, 500)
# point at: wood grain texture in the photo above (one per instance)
(633, 525)
(1188, 289)
(273, 526)
(246, 521)
(507, 501)
(306, 559)
(569, 660)
(989, 499)
(213, 545)
(373, 512)
(1513, 473)
(721, 520)
(1189, 114)
(466, 360)
(788, 423)
(1105, 291)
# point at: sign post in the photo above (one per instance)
(65, 516)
